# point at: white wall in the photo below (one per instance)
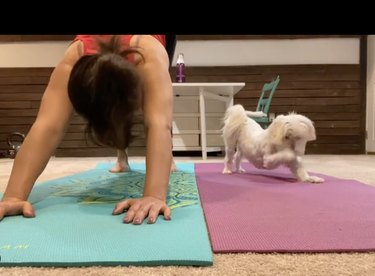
(370, 112)
(32, 54)
(209, 53)
(270, 52)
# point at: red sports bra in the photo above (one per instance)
(90, 46)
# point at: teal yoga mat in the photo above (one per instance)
(74, 225)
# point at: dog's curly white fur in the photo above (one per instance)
(282, 143)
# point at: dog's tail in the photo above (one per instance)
(255, 114)
(234, 119)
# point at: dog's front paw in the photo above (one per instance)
(268, 162)
(227, 171)
(241, 170)
(314, 179)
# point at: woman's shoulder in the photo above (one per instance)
(73, 53)
(151, 49)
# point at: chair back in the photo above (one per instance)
(266, 95)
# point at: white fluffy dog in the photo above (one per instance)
(282, 143)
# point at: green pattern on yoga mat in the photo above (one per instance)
(112, 188)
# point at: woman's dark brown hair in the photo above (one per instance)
(105, 89)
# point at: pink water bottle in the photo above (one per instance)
(180, 68)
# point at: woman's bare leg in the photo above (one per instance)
(122, 164)
(173, 166)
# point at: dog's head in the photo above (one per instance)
(293, 130)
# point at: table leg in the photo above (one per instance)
(202, 111)
(229, 102)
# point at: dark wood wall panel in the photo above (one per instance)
(329, 94)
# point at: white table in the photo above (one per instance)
(224, 92)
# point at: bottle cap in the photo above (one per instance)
(180, 58)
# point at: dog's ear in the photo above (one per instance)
(311, 134)
(277, 131)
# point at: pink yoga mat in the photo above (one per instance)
(269, 211)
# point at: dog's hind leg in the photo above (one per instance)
(228, 160)
(237, 161)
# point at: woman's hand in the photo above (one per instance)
(138, 209)
(15, 206)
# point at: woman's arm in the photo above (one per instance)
(157, 112)
(43, 137)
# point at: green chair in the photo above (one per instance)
(264, 102)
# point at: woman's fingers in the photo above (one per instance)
(153, 214)
(122, 206)
(13, 208)
(167, 212)
(141, 214)
(137, 210)
(28, 210)
(2, 212)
